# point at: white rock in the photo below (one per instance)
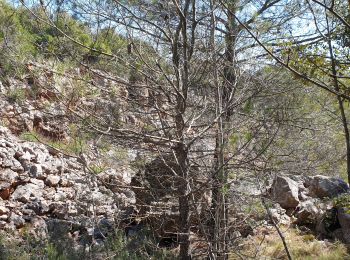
(285, 192)
(36, 171)
(52, 180)
(39, 183)
(4, 210)
(27, 192)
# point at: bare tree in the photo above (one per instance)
(186, 86)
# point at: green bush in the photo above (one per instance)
(16, 96)
(342, 201)
(60, 246)
(16, 43)
(23, 37)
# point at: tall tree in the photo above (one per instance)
(190, 77)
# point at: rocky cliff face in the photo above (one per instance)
(38, 185)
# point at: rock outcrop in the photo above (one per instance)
(323, 186)
(320, 202)
(285, 192)
(37, 186)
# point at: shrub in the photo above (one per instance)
(17, 95)
(59, 246)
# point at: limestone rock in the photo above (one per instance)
(4, 210)
(285, 192)
(66, 181)
(64, 193)
(307, 212)
(279, 215)
(39, 207)
(113, 179)
(25, 157)
(7, 179)
(5, 185)
(36, 171)
(59, 210)
(52, 180)
(38, 228)
(8, 175)
(39, 183)
(27, 192)
(323, 186)
(17, 220)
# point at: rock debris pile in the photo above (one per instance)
(38, 185)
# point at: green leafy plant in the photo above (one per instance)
(31, 136)
(17, 95)
(342, 201)
(75, 145)
(97, 168)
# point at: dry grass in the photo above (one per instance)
(266, 245)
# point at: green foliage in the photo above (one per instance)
(248, 106)
(330, 220)
(23, 37)
(121, 153)
(52, 253)
(233, 140)
(74, 145)
(239, 138)
(59, 246)
(225, 189)
(138, 164)
(30, 136)
(49, 41)
(97, 168)
(16, 43)
(301, 247)
(248, 136)
(255, 209)
(17, 95)
(342, 201)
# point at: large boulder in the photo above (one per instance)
(308, 211)
(323, 186)
(285, 192)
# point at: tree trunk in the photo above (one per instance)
(184, 203)
(218, 225)
(184, 237)
(340, 101)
